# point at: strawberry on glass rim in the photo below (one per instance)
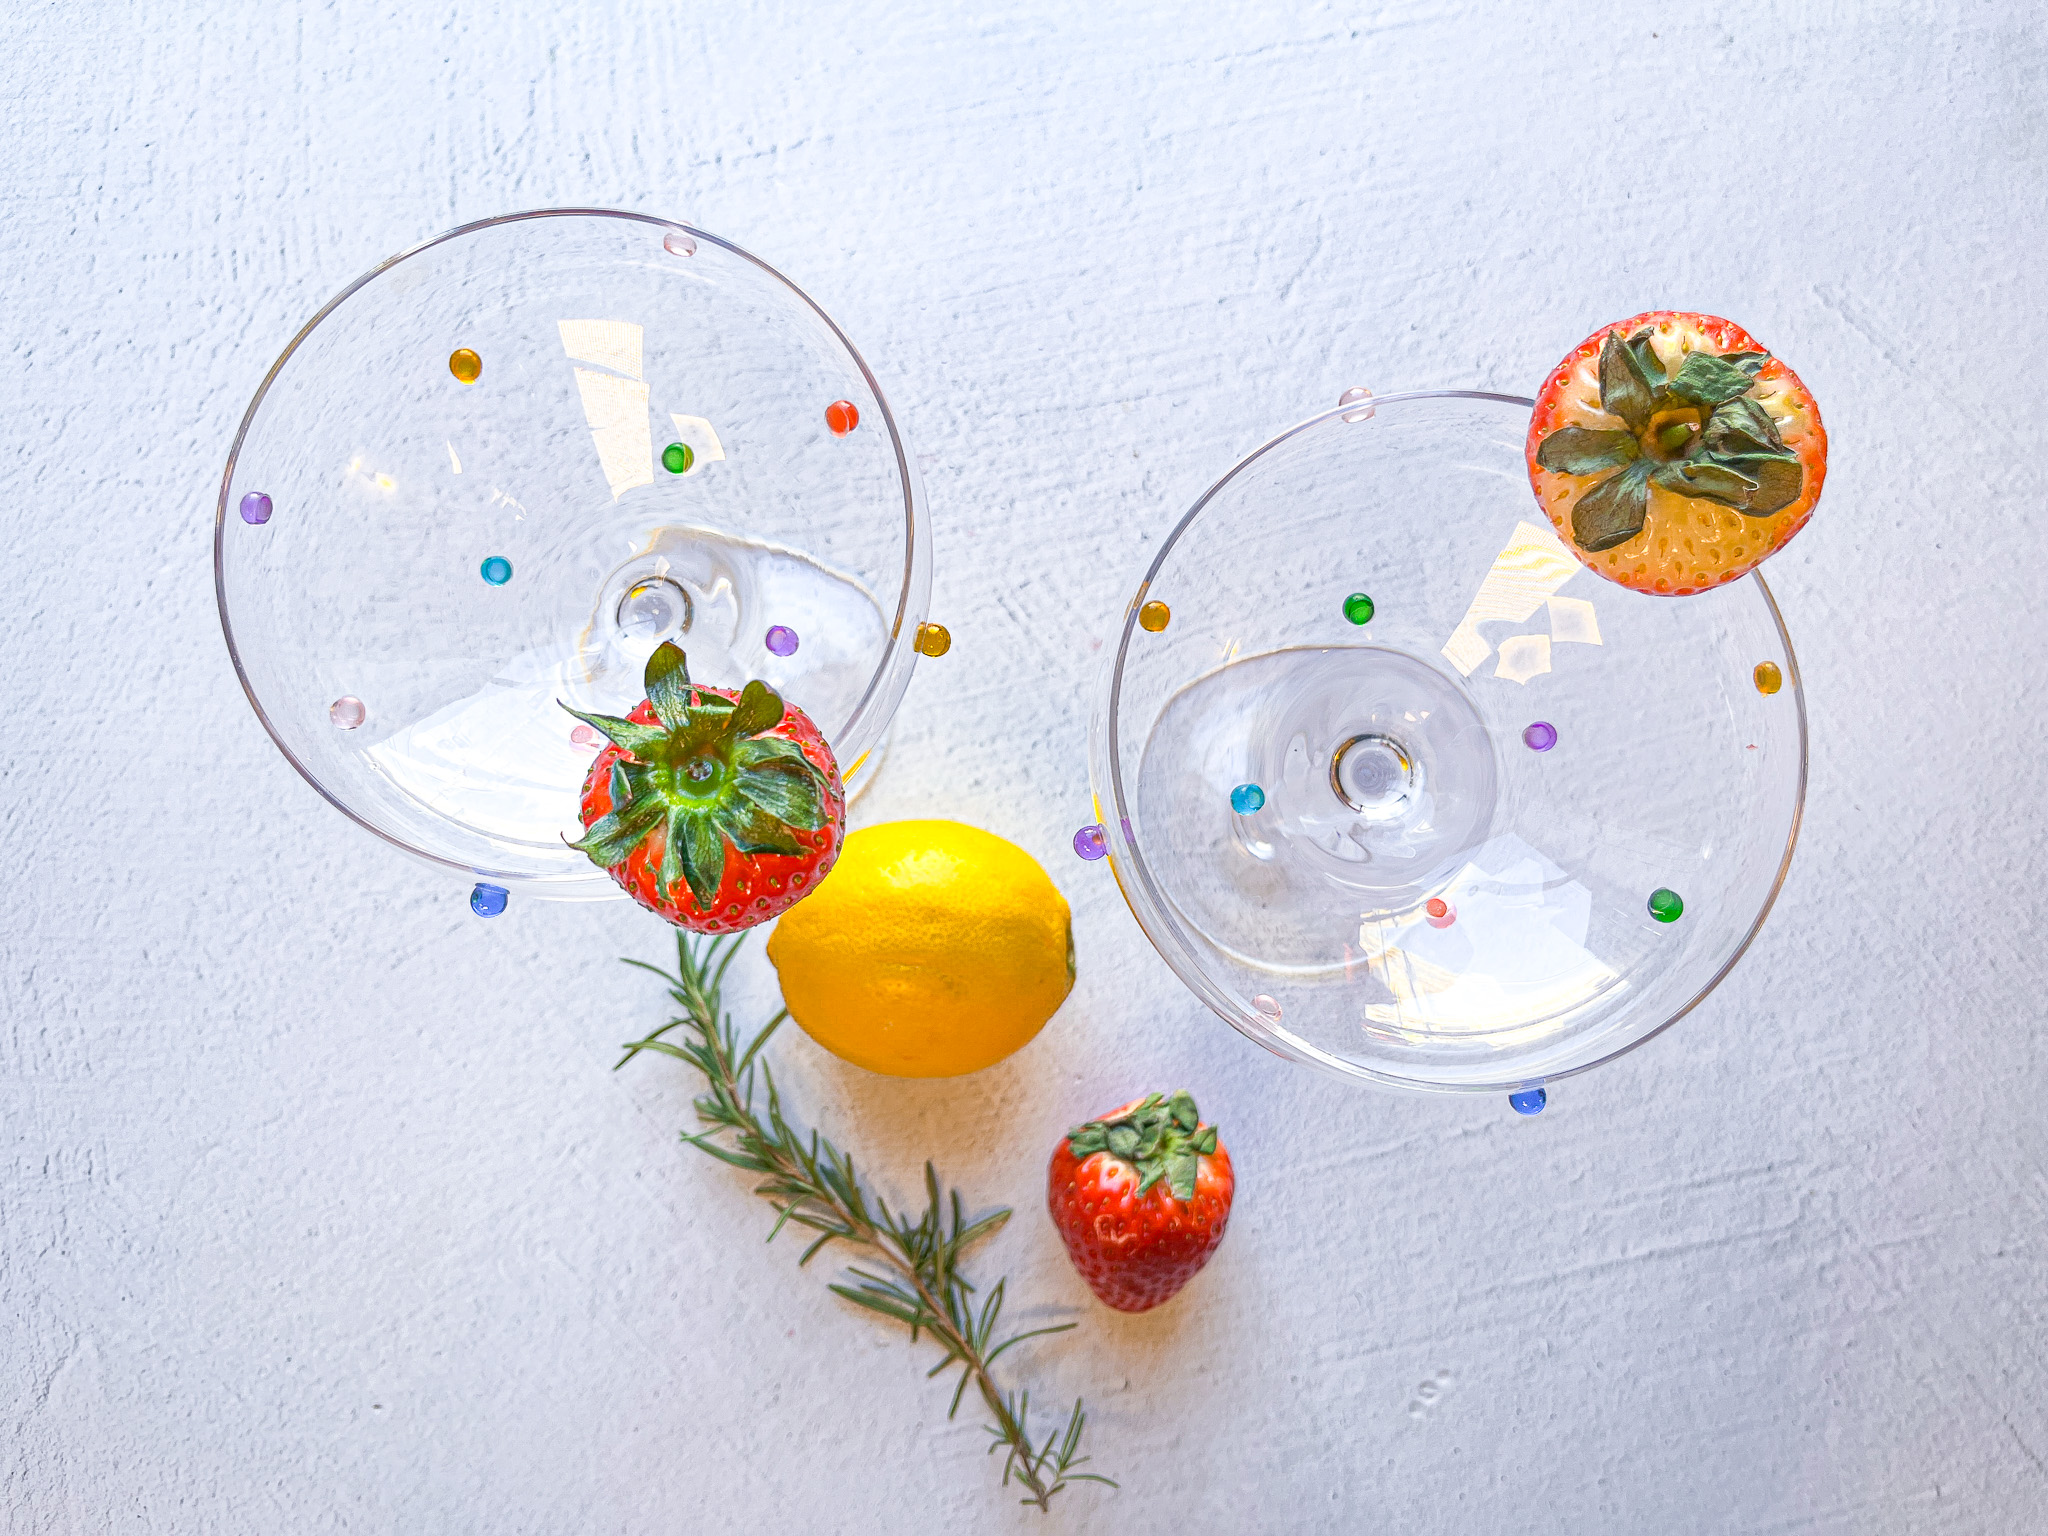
(1672, 453)
(715, 809)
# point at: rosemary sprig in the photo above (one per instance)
(915, 1276)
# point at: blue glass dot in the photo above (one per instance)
(1529, 1101)
(1247, 798)
(497, 570)
(487, 900)
(1089, 842)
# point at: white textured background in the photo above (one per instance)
(322, 1209)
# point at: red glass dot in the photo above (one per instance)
(1437, 906)
(842, 416)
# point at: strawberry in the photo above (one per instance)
(715, 809)
(1141, 1198)
(1673, 454)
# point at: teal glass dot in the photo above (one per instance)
(497, 570)
(1358, 608)
(1665, 905)
(676, 458)
(1247, 798)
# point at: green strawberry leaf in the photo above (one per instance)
(753, 830)
(791, 797)
(1613, 511)
(1624, 391)
(1206, 1142)
(1709, 482)
(1123, 1140)
(1086, 1140)
(621, 786)
(1180, 1172)
(1583, 451)
(1741, 426)
(1182, 1107)
(671, 867)
(1749, 362)
(643, 741)
(1647, 360)
(760, 709)
(668, 684)
(702, 853)
(1707, 381)
(610, 839)
(1779, 481)
(761, 750)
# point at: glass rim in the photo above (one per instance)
(1153, 909)
(885, 688)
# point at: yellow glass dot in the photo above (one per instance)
(1768, 678)
(933, 640)
(465, 365)
(1154, 617)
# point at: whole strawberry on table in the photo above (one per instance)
(1141, 1198)
(1672, 453)
(716, 809)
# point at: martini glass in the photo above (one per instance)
(1403, 791)
(497, 471)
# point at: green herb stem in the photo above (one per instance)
(915, 1276)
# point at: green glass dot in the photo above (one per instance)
(1358, 608)
(1665, 905)
(497, 570)
(676, 458)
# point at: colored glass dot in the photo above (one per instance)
(347, 712)
(842, 416)
(933, 640)
(487, 900)
(1089, 842)
(1358, 608)
(1439, 913)
(1529, 1101)
(497, 570)
(1665, 905)
(1357, 395)
(1247, 798)
(781, 641)
(1269, 1007)
(465, 365)
(585, 736)
(256, 508)
(677, 458)
(1154, 617)
(676, 243)
(1540, 737)
(1768, 678)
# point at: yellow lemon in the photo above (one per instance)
(932, 949)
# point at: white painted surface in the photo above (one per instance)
(323, 1210)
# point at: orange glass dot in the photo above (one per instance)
(465, 365)
(1768, 678)
(1154, 617)
(842, 416)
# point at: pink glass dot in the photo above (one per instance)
(347, 712)
(585, 736)
(1089, 842)
(781, 641)
(1267, 1007)
(676, 243)
(1540, 737)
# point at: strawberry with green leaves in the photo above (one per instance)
(715, 809)
(1141, 1198)
(1672, 453)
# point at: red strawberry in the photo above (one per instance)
(1141, 1198)
(713, 808)
(1673, 454)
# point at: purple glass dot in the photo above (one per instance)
(782, 641)
(1089, 842)
(1540, 737)
(256, 508)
